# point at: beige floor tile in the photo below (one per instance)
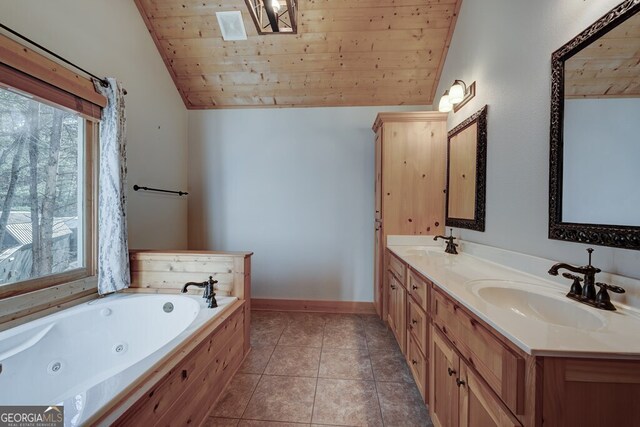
(315, 319)
(343, 320)
(287, 399)
(294, 361)
(270, 318)
(220, 422)
(264, 334)
(345, 337)
(257, 423)
(389, 366)
(351, 364)
(302, 335)
(257, 360)
(346, 402)
(402, 405)
(380, 338)
(236, 396)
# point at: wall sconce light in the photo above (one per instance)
(456, 96)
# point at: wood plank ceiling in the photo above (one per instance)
(609, 67)
(346, 53)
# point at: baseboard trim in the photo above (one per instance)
(347, 307)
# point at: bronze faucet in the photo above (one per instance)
(587, 294)
(208, 294)
(451, 247)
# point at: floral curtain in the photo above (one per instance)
(113, 248)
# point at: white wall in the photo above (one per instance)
(601, 173)
(506, 47)
(295, 186)
(108, 37)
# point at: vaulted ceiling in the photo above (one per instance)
(346, 53)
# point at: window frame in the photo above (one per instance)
(26, 71)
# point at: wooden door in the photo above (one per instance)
(392, 291)
(443, 390)
(479, 406)
(378, 256)
(400, 320)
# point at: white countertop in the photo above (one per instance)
(610, 334)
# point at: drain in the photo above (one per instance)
(105, 312)
(120, 348)
(54, 367)
(0, 368)
(167, 307)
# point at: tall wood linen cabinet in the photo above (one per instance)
(411, 150)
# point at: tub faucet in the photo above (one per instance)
(587, 294)
(451, 247)
(209, 293)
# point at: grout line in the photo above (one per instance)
(315, 392)
(262, 374)
(375, 382)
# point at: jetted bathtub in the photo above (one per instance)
(84, 356)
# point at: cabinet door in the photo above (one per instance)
(378, 272)
(479, 406)
(378, 269)
(443, 390)
(392, 289)
(401, 317)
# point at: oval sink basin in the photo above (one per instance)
(538, 305)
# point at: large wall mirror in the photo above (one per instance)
(594, 194)
(466, 173)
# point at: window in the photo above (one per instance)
(43, 191)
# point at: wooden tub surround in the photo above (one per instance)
(183, 386)
(470, 374)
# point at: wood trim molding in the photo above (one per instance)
(34, 64)
(344, 307)
(416, 116)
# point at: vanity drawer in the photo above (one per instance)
(397, 267)
(501, 368)
(418, 325)
(418, 288)
(417, 364)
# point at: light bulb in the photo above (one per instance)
(275, 5)
(456, 93)
(445, 104)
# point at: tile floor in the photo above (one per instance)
(321, 370)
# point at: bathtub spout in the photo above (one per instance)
(209, 292)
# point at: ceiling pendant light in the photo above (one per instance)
(445, 104)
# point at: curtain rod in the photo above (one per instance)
(103, 81)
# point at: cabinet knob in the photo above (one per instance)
(460, 382)
(393, 287)
(414, 321)
(414, 287)
(414, 361)
(451, 371)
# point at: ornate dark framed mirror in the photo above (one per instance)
(467, 173)
(594, 165)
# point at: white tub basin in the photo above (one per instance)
(538, 303)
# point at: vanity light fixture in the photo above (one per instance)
(456, 96)
(445, 104)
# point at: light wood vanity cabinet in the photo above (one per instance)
(410, 152)
(408, 317)
(473, 376)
